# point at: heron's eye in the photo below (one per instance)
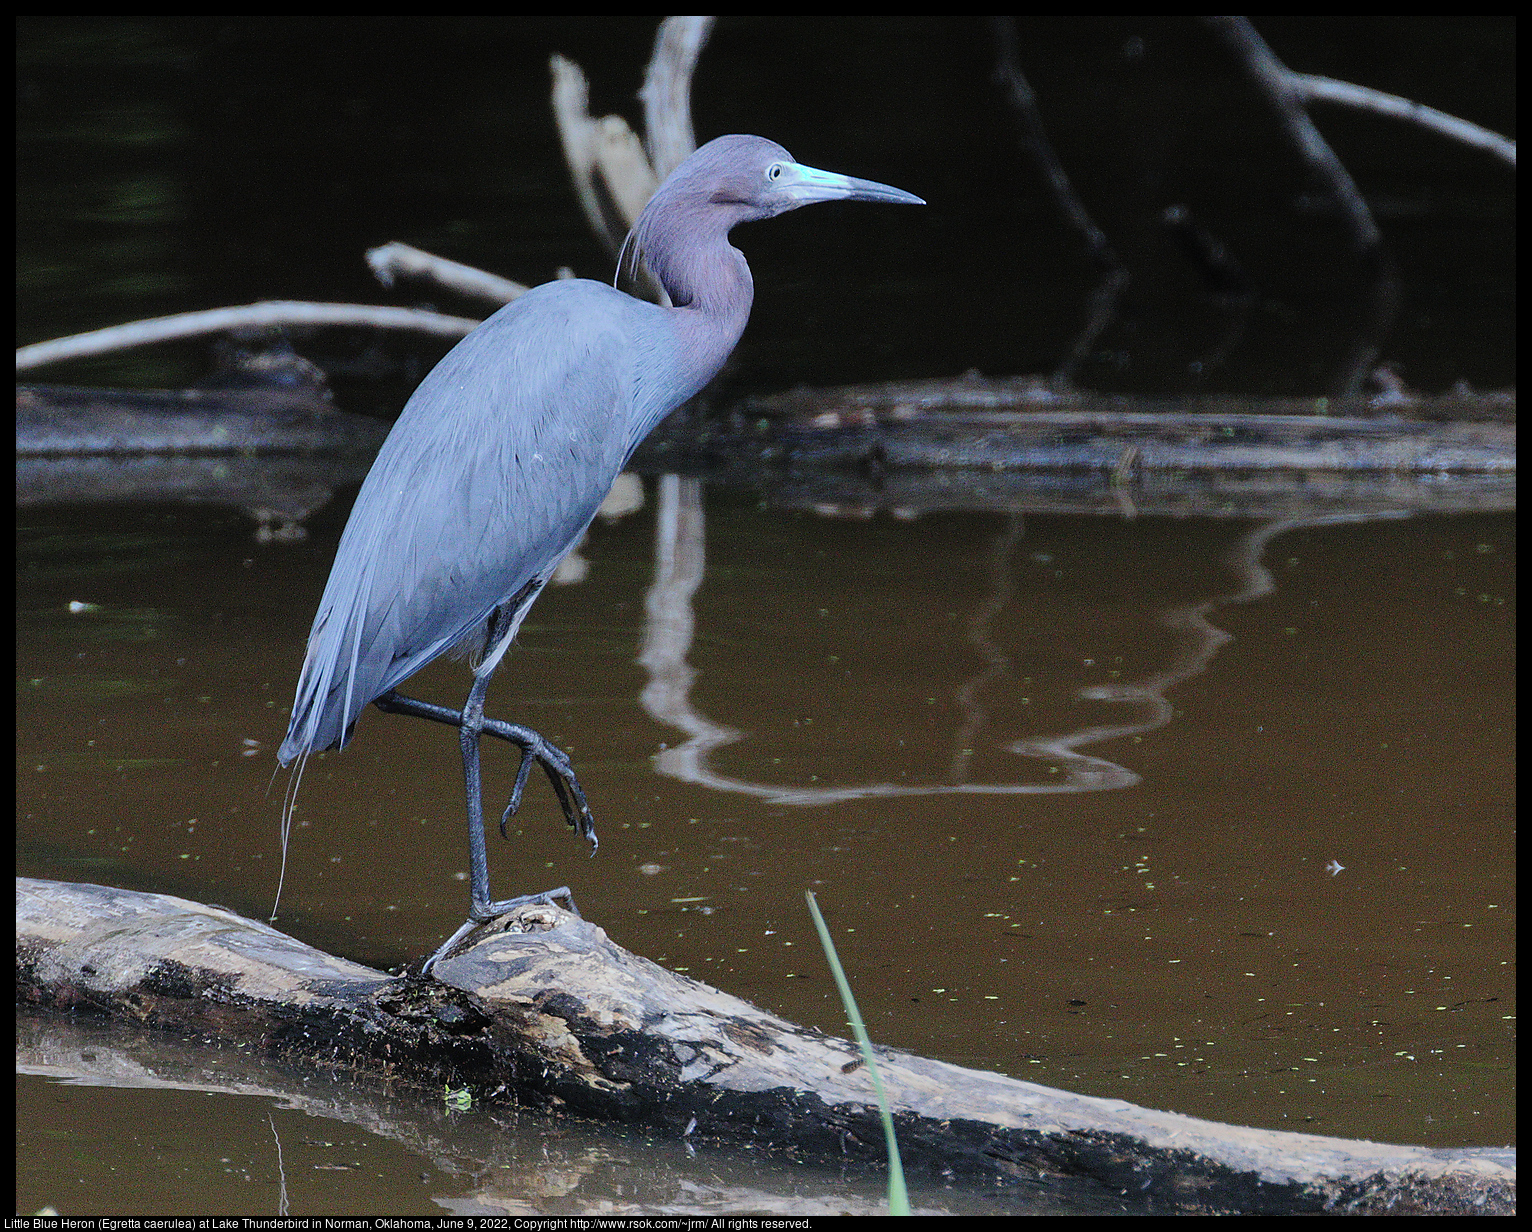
(774, 172)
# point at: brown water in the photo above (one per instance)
(1071, 792)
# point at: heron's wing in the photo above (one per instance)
(491, 473)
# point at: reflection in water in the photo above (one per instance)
(1197, 642)
(1081, 771)
(996, 662)
(679, 558)
(282, 1205)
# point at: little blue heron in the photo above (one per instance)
(500, 458)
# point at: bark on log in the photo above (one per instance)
(543, 1005)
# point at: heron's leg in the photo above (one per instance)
(469, 725)
(481, 909)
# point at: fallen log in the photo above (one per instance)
(1007, 446)
(544, 1009)
(66, 421)
(1010, 446)
(892, 428)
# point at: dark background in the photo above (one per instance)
(167, 164)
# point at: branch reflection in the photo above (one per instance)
(670, 625)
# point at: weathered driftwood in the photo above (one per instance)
(276, 454)
(544, 1006)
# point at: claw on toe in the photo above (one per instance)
(524, 769)
(556, 765)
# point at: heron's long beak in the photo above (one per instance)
(806, 185)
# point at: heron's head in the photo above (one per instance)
(745, 178)
(730, 180)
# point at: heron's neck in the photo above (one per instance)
(712, 292)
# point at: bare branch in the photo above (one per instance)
(612, 175)
(577, 134)
(1034, 140)
(606, 148)
(1328, 90)
(1287, 96)
(1035, 143)
(624, 168)
(667, 91)
(217, 320)
(391, 260)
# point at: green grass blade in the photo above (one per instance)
(898, 1196)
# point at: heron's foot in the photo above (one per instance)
(554, 761)
(560, 771)
(480, 914)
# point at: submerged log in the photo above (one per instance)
(66, 421)
(544, 1009)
